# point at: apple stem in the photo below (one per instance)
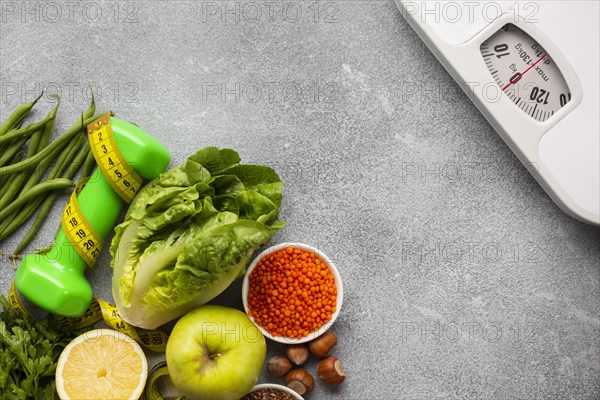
(213, 356)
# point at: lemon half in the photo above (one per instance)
(101, 364)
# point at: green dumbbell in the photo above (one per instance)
(55, 281)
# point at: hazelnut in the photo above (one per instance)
(278, 366)
(330, 371)
(297, 353)
(299, 381)
(322, 346)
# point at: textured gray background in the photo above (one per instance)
(462, 278)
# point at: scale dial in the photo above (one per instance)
(525, 72)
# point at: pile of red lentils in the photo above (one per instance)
(292, 293)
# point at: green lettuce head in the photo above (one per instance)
(189, 234)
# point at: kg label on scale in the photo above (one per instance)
(525, 72)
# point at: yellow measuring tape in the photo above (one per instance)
(13, 300)
(98, 310)
(117, 171)
(80, 233)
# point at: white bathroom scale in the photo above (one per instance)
(532, 68)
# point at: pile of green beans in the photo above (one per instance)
(34, 170)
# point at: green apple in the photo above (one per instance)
(215, 353)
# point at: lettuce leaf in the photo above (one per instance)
(189, 234)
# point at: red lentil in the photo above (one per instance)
(292, 293)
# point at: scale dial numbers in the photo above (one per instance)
(525, 72)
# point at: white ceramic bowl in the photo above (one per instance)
(278, 387)
(338, 284)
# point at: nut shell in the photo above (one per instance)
(297, 353)
(322, 346)
(300, 381)
(330, 371)
(278, 366)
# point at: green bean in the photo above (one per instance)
(92, 108)
(8, 183)
(13, 186)
(11, 224)
(10, 152)
(18, 114)
(22, 182)
(34, 176)
(68, 154)
(6, 146)
(9, 187)
(46, 186)
(78, 161)
(31, 129)
(16, 216)
(40, 139)
(18, 124)
(8, 222)
(3, 226)
(88, 165)
(44, 209)
(89, 112)
(49, 151)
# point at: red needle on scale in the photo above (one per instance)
(520, 76)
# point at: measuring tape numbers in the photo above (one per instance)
(80, 233)
(154, 339)
(117, 171)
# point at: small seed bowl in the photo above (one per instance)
(274, 386)
(337, 279)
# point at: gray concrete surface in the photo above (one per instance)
(462, 278)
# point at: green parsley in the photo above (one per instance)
(28, 355)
